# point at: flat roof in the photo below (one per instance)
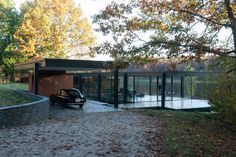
(49, 64)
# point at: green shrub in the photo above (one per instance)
(223, 94)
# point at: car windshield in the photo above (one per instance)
(73, 93)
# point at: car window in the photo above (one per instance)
(63, 93)
(73, 93)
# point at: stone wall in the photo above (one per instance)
(29, 113)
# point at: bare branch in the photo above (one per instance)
(211, 20)
(191, 46)
(227, 43)
(232, 20)
(190, 27)
(205, 18)
(137, 36)
(214, 35)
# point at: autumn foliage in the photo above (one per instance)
(180, 29)
(42, 29)
(53, 28)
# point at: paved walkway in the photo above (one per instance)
(90, 107)
(95, 106)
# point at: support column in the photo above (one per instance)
(80, 80)
(150, 85)
(125, 87)
(99, 81)
(163, 95)
(171, 87)
(116, 88)
(182, 87)
(36, 78)
(157, 88)
(134, 90)
(191, 87)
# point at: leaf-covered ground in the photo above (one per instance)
(74, 133)
(196, 134)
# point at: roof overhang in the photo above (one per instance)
(64, 65)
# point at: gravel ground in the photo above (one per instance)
(74, 133)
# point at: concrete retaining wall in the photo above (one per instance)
(29, 113)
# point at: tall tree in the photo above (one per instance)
(53, 28)
(9, 20)
(183, 29)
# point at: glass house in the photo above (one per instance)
(100, 81)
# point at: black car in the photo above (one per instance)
(68, 97)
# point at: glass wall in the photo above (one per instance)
(173, 88)
(142, 87)
(188, 87)
(153, 88)
(176, 87)
(90, 87)
(199, 87)
(120, 89)
(107, 88)
(169, 88)
(130, 96)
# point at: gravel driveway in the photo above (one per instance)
(75, 133)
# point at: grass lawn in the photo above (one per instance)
(20, 86)
(10, 97)
(196, 134)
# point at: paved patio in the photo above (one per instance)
(180, 104)
(176, 103)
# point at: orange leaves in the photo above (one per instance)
(141, 24)
(135, 24)
(233, 6)
(164, 27)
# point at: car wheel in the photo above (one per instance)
(64, 103)
(52, 103)
(81, 105)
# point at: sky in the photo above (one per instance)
(89, 7)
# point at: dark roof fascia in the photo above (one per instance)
(190, 73)
(153, 74)
(64, 64)
(68, 69)
(73, 64)
(29, 64)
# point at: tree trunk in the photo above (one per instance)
(232, 20)
(234, 37)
